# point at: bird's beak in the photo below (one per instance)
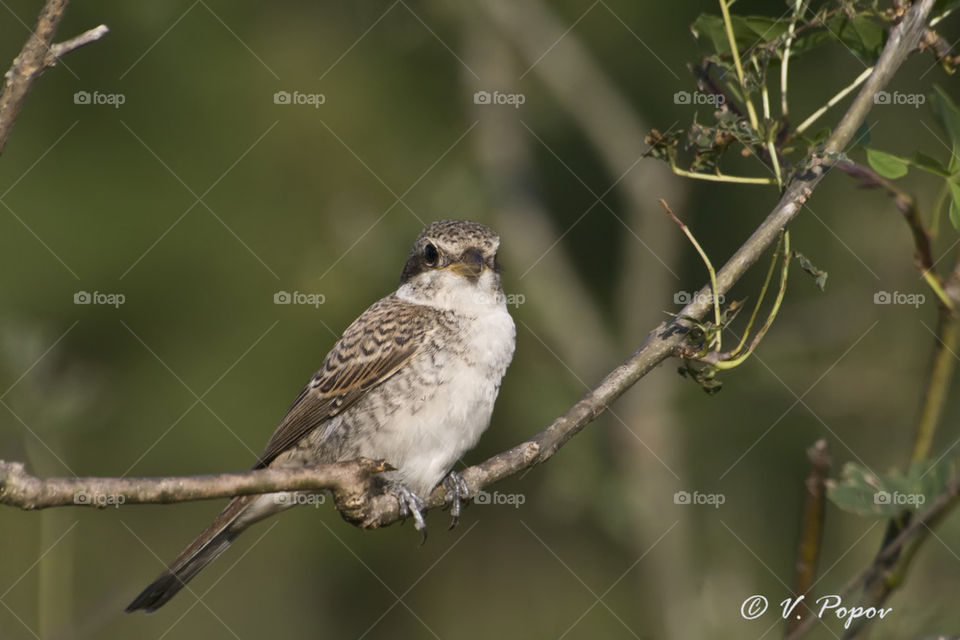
(469, 265)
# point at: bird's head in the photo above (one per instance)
(452, 259)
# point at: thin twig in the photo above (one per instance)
(785, 64)
(760, 298)
(728, 25)
(720, 177)
(37, 54)
(706, 260)
(905, 204)
(731, 362)
(840, 95)
(62, 48)
(870, 179)
(811, 527)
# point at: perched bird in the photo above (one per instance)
(412, 381)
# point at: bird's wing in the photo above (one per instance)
(372, 349)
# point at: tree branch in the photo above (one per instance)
(37, 54)
(376, 510)
(19, 489)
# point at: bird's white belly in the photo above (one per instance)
(425, 438)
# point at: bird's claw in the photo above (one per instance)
(457, 493)
(411, 505)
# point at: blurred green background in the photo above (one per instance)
(199, 198)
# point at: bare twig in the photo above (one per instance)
(63, 48)
(709, 265)
(811, 528)
(840, 95)
(904, 202)
(942, 49)
(37, 54)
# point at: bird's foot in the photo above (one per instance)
(457, 493)
(411, 505)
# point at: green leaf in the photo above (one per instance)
(954, 204)
(887, 164)
(932, 479)
(861, 35)
(820, 276)
(862, 492)
(925, 162)
(864, 36)
(820, 135)
(858, 491)
(949, 117)
(748, 31)
(711, 26)
(810, 41)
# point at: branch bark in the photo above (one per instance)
(20, 489)
(37, 54)
(376, 510)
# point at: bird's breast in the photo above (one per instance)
(436, 408)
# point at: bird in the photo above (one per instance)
(412, 381)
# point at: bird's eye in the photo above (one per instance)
(430, 255)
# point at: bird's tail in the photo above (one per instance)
(211, 543)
